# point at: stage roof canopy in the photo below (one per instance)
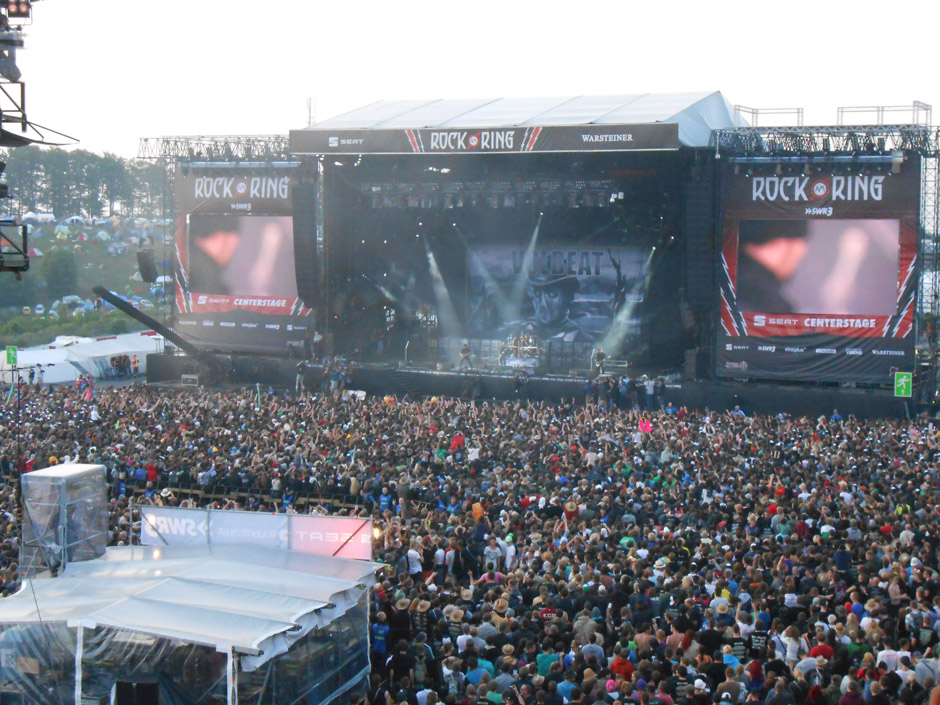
(256, 600)
(695, 114)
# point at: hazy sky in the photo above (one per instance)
(111, 71)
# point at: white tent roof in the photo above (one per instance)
(73, 356)
(696, 113)
(256, 600)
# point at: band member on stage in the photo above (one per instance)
(503, 353)
(599, 358)
(465, 356)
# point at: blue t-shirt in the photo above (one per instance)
(380, 637)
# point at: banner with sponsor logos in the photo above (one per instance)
(235, 280)
(344, 537)
(564, 138)
(819, 274)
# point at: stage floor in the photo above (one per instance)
(752, 397)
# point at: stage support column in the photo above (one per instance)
(79, 649)
(231, 693)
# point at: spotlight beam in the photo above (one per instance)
(620, 326)
(446, 314)
(519, 286)
(492, 286)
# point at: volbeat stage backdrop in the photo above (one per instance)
(235, 280)
(441, 242)
(819, 274)
(562, 293)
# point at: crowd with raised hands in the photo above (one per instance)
(562, 552)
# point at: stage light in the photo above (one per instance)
(897, 159)
(18, 9)
(445, 170)
(338, 163)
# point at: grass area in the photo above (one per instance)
(94, 266)
(26, 331)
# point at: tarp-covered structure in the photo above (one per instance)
(202, 624)
(64, 361)
(696, 113)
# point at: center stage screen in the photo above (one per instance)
(559, 293)
(236, 287)
(819, 278)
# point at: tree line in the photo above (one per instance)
(79, 182)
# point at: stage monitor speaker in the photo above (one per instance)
(148, 270)
(306, 259)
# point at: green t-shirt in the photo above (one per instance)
(544, 662)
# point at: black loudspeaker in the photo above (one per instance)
(700, 245)
(136, 693)
(147, 694)
(124, 693)
(148, 270)
(306, 259)
(690, 368)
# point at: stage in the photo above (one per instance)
(381, 379)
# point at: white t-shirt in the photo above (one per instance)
(414, 561)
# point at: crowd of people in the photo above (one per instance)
(552, 553)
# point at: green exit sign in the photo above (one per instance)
(11, 354)
(903, 384)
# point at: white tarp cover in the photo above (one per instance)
(82, 356)
(232, 596)
(697, 114)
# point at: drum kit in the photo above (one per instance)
(521, 347)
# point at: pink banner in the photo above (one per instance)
(344, 537)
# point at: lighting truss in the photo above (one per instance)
(755, 141)
(210, 148)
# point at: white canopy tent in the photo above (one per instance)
(71, 357)
(248, 602)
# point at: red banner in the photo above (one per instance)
(219, 303)
(760, 325)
